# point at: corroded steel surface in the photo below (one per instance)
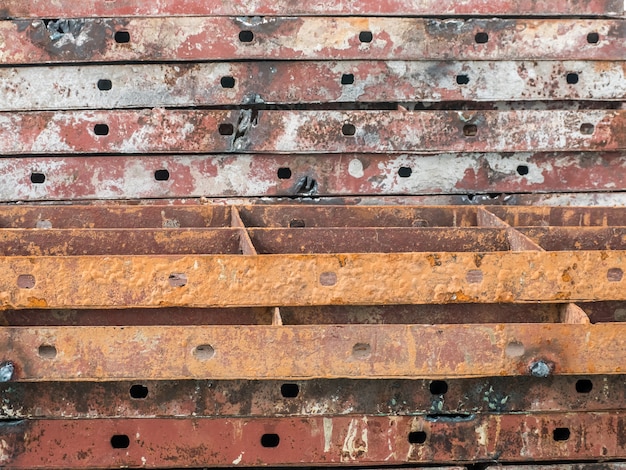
(115, 177)
(211, 84)
(348, 440)
(170, 131)
(60, 8)
(262, 398)
(355, 351)
(299, 38)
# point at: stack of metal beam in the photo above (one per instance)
(278, 233)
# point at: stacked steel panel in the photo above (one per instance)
(365, 233)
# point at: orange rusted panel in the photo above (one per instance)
(322, 351)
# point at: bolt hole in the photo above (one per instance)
(584, 386)
(270, 440)
(593, 38)
(522, 170)
(404, 172)
(297, 223)
(561, 434)
(284, 173)
(105, 85)
(366, 36)
(122, 37)
(37, 178)
(348, 129)
(614, 275)
(289, 390)
(328, 279)
(462, 79)
(481, 38)
(101, 129)
(361, 351)
(120, 441)
(246, 36)
(572, 78)
(474, 276)
(470, 130)
(587, 128)
(347, 79)
(47, 351)
(161, 175)
(227, 82)
(204, 352)
(417, 437)
(226, 129)
(438, 387)
(26, 281)
(138, 392)
(178, 280)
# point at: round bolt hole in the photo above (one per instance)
(587, 128)
(348, 129)
(226, 129)
(122, 37)
(138, 392)
(289, 390)
(47, 351)
(470, 130)
(120, 441)
(572, 78)
(105, 85)
(328, 279)
(347, 79)
(246, 36)
(361, 351)
(417, 437)
(26, 281)
(204, 352)
(101, 129)
(284, 173)
(515, 349)
(366, 36)
(37, 178)
(161, 175)
(438, 387)
(614, 275)
(481, 38)
(561, 434)
(462, 79)
(270, 440)
(584, 386)
(405, 172)
(593, 38)
(227, 82)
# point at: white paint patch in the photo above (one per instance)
(328, 433)
(355, 445)
(355, 168)
(5, 454)
(237, 461)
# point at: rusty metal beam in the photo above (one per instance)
(267, 38)
(171, 131)
(43, 9)
(295, 352)
(159, 85)
(266, 398)
(86, 178)
(322, 279)
(368, 439)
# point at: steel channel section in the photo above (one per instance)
(219, 83)
(300, 38)
(172, 131)
(267, 398)
(77, 177)
(355, 351)
(312, 440)
(42, 9)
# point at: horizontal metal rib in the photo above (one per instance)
(300, 38)
(58, 9)
(296, 352)
(213, 84)
(195, 131)
(265, 398)
(367, 439)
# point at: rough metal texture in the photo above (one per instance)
(60, 8)
(248, 175)
(249, 83)
(169, 131)
(299, 38)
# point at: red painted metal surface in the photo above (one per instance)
(77, 178)
(346, 440)
(299, 38)
(195, 131)
(241, 83)
(60, 8)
